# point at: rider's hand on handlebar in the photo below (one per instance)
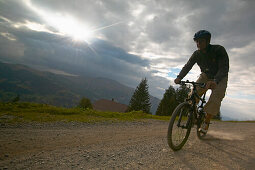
(211, 85)
(177, 81)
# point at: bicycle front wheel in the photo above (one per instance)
(180, 126)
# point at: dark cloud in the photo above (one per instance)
(17, 11)
(231, 23)
(158, 29)
(12, 49)
(107, 50)
(174, 21)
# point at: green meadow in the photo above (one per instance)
(22, 112)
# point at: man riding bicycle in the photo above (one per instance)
(214, 65)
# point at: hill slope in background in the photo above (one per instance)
(60, 89)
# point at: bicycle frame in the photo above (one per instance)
(195, 95)
(193, 98)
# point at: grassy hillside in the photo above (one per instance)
(59, 90)
(34, 112)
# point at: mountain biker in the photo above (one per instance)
(214, 65)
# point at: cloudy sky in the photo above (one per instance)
(129, 40)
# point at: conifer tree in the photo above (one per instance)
(141, 98)
(168, 103)
(182, 93)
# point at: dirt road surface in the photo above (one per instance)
(128, 145)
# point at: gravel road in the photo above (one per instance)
(128, 145)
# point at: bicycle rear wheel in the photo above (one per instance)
(179, 126)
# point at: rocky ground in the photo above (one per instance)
(128, 145)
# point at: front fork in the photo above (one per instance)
(189, 121)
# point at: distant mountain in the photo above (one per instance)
(59, 88)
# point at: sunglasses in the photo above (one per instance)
(200, 41)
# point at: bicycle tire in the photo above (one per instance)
(186, 110)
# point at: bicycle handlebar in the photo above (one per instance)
(202, 85)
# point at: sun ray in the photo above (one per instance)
(101, 28)
(65, 24)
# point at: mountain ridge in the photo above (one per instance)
(58, 89)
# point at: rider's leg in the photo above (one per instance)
(213, 104)
(212, 107)
(208, 118)
(205, 126)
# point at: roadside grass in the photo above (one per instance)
(34, 112)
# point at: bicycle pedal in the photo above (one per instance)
(202, 131)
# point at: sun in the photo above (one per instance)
(64, 24)
(82, 35)
(69, 26)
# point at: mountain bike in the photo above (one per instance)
(185, 116)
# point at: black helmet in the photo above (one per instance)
(202, 34)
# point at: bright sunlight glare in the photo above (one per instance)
(71, 27)
(64, 24)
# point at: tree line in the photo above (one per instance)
(140, 100)
(172, 97)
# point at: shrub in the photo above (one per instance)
(85, 104)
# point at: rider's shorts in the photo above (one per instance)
(213, 104)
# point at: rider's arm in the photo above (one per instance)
(188, 66)
(223, 64)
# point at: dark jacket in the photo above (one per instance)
(214, 63)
